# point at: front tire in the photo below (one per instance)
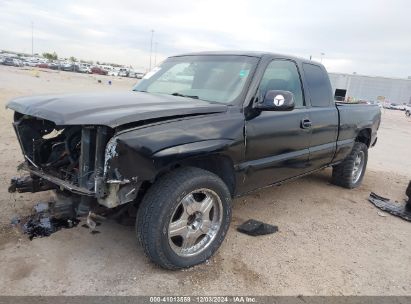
(350, 173)
(183, 218)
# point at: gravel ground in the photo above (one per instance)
(331, 241)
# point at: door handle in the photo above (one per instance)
(306, 123)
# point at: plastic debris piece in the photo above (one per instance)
(255, 228)
(395, 208)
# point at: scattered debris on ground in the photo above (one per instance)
(255, 228)
(402, 210)
(91, 222)
(47, 219)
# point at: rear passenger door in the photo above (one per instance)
(323, 116)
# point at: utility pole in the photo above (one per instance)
(322, 54)
(155, 53)
(32, 39)
(151, 47)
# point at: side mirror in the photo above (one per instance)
(276, 100)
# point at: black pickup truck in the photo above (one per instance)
(194, 133)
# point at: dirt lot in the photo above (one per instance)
(331, 241)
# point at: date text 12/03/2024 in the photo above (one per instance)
(221, 299)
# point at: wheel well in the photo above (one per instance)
(364, 136)
(221, 166)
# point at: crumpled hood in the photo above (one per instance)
(110, 109)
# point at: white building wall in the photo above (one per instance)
(396, 90)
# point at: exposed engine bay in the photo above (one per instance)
(62, 158)
(53, 149)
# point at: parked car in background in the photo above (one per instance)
(97, 70)
(67, 66)
(8, 61)
(54, 65)
(139, 75)
(84, 68)
(31, 63)
(18, 62)
(403, 107)
(408, 110)
(395, 106)
(43, 65)
(107, 68)
(123, 72)
(113, 72)
(132, 74)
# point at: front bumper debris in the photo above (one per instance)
(27, 184)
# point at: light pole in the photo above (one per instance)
(151, 47)
(322, 54)
(155, 53)
(32, 39)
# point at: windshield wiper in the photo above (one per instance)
(182, 95)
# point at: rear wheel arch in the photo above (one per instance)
(364, 136)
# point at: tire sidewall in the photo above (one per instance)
(201, 181)
(358, 148)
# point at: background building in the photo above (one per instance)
(371, 88)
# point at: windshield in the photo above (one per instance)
(218, 78)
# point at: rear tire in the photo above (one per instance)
(183, 218)
(350, 173)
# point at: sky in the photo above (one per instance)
(371, 37)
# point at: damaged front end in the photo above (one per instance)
(68, 158)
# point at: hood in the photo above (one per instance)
(110, 109)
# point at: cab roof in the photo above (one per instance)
(244, 53)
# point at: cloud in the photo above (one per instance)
(368, 37)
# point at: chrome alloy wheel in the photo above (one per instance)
(358, 167)
(195, 222)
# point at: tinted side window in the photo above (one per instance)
(318, 85)
(283, 75)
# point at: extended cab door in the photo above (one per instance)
(323, 115)
(277, 145)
